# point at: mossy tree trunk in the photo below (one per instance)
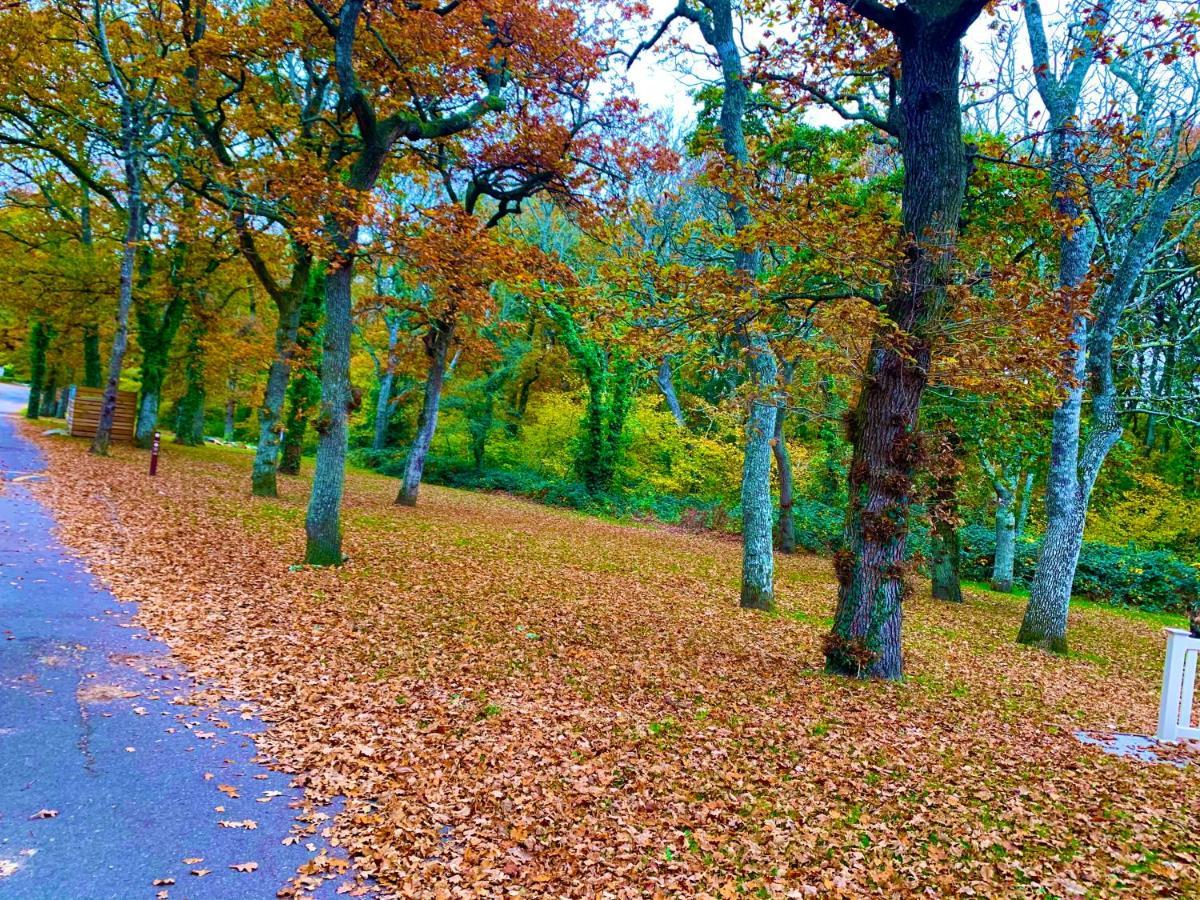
(295, 304)
(39, 345)
(156, 332)
(189, 425)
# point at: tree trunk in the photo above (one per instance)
(263, 482)
(667, 385)
(437, 346)
(323, 526)
(1023, 507)
(189, 426)
(156, 334)
(230, 413)
(48, 405)
(383, 403)
(304, 388)
(758, 550)
(64, 400)
(92, 373)
(39, 344)
(1006, 543)
(783, 464)
(944, 518)
(1073, 470)
(758, 560)
(946, 584)
(872, 565)
(116, 359)
(303, 392)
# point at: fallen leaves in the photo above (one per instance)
(45, 814)
(245, 823)
(654, 739)
(244, 867)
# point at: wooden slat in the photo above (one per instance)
(83, 413)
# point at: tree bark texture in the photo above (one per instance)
(437, 349)
(39, 345)
(872, 565)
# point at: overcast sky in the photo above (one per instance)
(660, 85)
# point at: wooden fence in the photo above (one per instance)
(83, 413)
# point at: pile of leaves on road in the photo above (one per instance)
(522, 701)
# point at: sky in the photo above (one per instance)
(661, 86)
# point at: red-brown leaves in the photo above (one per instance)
(652, 739)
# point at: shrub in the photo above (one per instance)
(1122, 576)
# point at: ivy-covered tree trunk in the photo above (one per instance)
(873, 563)
(947, 560)
(304, 395)
(1006, 535)
(304, 390)
(608, 377)
(92, 373)
(189, 425)
(49, 404)
(437, 349)
(156, 334)
(783, 463)
(39, 345)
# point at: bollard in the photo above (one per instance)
(154, 455)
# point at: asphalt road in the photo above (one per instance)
(107, 782)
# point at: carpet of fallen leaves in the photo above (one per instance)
(520, 701)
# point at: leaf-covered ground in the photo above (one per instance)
(519, 701)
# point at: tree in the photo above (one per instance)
(1130, 241)
(126, 119)
(865, 639)
(462, 83)
(715, 20)
(258, 145)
